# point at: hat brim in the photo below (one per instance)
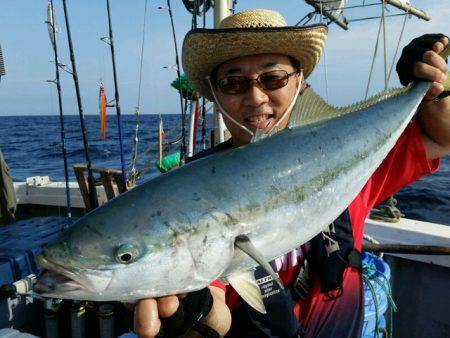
(205, 49)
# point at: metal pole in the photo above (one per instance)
(160, 139)
(409, 9)
(117, 102)
(106, 320)
(191, 143)
(318, 7)
(78, 319)
(221, 11)
(61, 115)
(203, 124)
(407, 249)
(92, 191)
(51, 307)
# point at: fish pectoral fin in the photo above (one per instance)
(243, 243)
(245, 285)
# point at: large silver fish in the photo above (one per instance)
(177, 232)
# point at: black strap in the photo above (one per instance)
(354, 260)
(205, 330)
(301, 286)
(193, 308)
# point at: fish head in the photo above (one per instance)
(98, 259)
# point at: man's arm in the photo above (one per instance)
(434, 115)
(147, 314)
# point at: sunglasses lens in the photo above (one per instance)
(268, 81)
(274, 80)
(234, 85)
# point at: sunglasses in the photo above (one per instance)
(235, 85)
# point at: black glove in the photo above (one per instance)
(413, 53)
(195, 306)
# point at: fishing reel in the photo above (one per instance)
(197, 6)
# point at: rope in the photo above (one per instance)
(324, 59)
(194, 14)
(398, 45)
(387, 212)
(392, 306)
(370, 273)
(233, 6)
(373, 61)
(133, 172)
(375, 301)
(372, 240)
(383, 19)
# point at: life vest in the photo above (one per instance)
(7, 194)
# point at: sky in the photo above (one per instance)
(341, 76)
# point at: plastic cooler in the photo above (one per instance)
(382, 273)
(21, 242)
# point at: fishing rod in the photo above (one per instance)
(92, 191)
(52, 30)
(134, 154)
(110, 42)
(203, 99)
(183, 112)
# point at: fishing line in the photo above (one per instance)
(398, 46)
(373, 60)
(133, 174)
(222, 110)
(383, 19)
(52, 25)
(92, 190)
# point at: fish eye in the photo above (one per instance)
(126, 254)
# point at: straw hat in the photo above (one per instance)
(250, 32)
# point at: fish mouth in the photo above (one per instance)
(58, 279)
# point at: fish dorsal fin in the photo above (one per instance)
(243, 243)
(311, 108)
(245, 285)
(258, 135)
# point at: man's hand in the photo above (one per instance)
(434, 111)
(433, 68)
(149, 312)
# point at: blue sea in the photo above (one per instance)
(32, 147)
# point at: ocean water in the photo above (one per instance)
(32, 147)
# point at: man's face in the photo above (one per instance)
(256, 108)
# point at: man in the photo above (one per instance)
(252, 69)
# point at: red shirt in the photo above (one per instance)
(405, 163)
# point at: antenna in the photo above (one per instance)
(2, 64)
